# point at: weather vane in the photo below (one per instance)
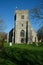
(16, 7)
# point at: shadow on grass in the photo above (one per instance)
(22, 57)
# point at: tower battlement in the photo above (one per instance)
(21, 11)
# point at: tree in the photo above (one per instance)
(37, 15)
(2, 25)
(2, 33)
(40, 34)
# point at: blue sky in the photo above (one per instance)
(8, 7)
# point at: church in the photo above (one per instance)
(22, 31)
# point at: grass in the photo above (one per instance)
(22, 54)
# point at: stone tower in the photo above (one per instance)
(22, 27)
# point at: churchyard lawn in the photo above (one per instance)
(22, 54)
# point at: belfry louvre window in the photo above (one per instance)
(22, 33)
(22, 17)
(22, 24)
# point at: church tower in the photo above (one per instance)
(21, 27)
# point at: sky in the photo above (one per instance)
(8, 7)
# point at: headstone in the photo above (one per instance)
(10, 43)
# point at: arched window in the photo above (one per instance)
(35, 39)
(22, 33)
(22, 17)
